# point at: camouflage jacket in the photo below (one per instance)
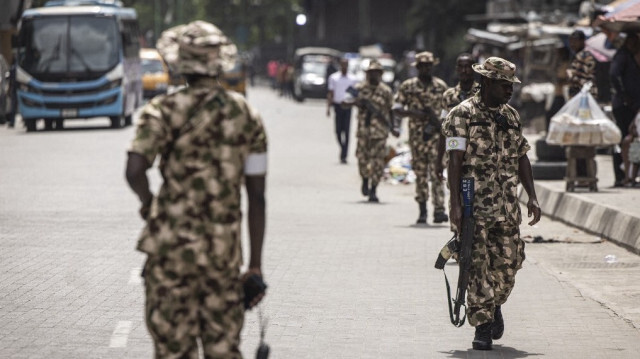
(380, 96)
(204, 135)
(414, 95)
(583, 69)
(453, 96)
(491, 157)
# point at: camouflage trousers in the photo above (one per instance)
(498, 253)
(371, 153)
(423, 160)
(185, 302)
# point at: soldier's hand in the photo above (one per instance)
(533, 208)
(455, 215)
(250, 271)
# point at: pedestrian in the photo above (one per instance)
(338, 84)
(484, 140)
(465, 89)
(374, 124)
(582, 68)
(625, 85)
(420, 99)
(210, 142)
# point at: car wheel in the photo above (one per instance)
(48, 124)
(128, 120)
(297, 91)
(59, 123)
(117, 121)
(30, 123)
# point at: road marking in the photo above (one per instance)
(134, 276)
(120, 334)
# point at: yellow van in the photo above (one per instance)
(236, 78)
(155, 73)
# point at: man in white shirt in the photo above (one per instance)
(339, 82)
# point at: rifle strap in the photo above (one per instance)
(457, 323)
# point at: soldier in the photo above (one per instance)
(466, 87)
(210, 141)
(583, 66)
(374, 124)
(420, 99)
(484, 140)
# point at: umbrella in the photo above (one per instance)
(625, 18)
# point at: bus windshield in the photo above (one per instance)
(59, 46)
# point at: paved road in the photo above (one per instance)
(347, 279)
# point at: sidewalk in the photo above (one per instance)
(612, 213)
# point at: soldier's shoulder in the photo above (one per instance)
(384, 87)
(450, 91)
(512, 112)
(438, 82)
(464, 108)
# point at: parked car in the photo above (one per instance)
(311, 67)
(155, 73)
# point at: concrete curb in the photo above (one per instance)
(574, 210)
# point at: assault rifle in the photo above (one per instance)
(371, 110)
(433, 125)
(461, 245)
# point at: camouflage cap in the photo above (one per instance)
(497, 68)
(197, 48)
(425, 57)
(374, 65)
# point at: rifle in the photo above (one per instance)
(433, 125)
(371, 110)
(461, 244)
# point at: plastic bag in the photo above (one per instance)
(581, 122)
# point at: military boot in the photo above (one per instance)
(422, 218)
(372, 194)
(482, 339)
(365, 186)
(498, 324)
(440, 217)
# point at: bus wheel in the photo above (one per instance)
(30, 123)
(117, 121)
(48, 124)
(128, 120)
(59, 123)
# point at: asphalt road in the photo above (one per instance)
(347, 279)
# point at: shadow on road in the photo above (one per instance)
(498, 351)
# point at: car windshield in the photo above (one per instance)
(150, 66)
(69, 45)
(318, 68)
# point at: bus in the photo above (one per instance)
(78, 59)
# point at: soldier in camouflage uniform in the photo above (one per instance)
(583, 66)
(466, 87)
(374, 124)
(484, 140)
(210, 142)
(420, 99)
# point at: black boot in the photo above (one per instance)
(372, 194)
(440, 217)
(498, 324)
(482, 339)
(365, 186)
(422, 218)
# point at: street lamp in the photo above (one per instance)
(301, 19)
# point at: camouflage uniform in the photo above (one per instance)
(454, 95)
(491, 157)
(204, 136)
(371, 147)
(583, 69)
(414, 95)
